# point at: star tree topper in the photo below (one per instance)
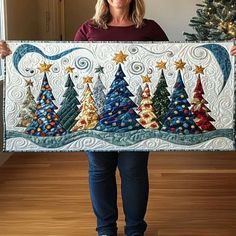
(44, 67)
(88, 80)
(29, 83)
(180, 65)
(99, 70)
(199, 70)
(161, 65)
(146, 79)
(120, 57)
(69, 70)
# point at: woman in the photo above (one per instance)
(118, 20)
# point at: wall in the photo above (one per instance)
(173, 16)
(21, 21)
(33, 20)
(77, 12)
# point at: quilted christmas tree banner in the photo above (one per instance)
(116, 96)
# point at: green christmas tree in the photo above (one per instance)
(161, 95)
(69, 107)
(215, 20)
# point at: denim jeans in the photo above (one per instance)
(134, 189)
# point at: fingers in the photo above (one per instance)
(233, 51)
(4, 49)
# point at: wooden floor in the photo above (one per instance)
(191, 194)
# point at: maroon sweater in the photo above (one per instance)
(150, 31)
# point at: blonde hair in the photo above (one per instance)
(103, 16)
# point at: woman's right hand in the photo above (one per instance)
(4, 49)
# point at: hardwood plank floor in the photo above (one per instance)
(46, 194)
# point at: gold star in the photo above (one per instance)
(161, 65)
(69, 70)
(44, 67)
(199, 70)
(146, 79)
(29, 83)
(88, 80)
(180, 65)
(120, 57)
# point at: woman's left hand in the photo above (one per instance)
(233, 51)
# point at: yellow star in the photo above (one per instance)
(29, 83)
(199, 70)
(44, 67)
(180, 65)
(146, 79)
(120, 57)
(88, 80)
(161, 65)
(69, 70)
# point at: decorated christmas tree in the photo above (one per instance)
(98, 90)
(199, 108)
(28, 107)
(215, 20)
(46, 121)
(179, 119)
(88, 116)
(161, 95)
(69, 107)
(118, 113)
(146, 112)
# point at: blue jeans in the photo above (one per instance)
(134, 189)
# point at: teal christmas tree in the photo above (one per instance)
(179, 118)
(69, 109)
(98, 90)
(118, 113)
(199, 108)
(28, 107)
(46, 121)
(215, 20)
(161, 95)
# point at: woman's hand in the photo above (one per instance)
(4, 49)
(233, 51)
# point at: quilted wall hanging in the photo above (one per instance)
(119, 96)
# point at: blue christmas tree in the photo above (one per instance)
(179, 118)
(118, 113)
(46, 121)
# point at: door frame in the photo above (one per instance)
(2, 20)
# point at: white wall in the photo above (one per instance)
(172, 16)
